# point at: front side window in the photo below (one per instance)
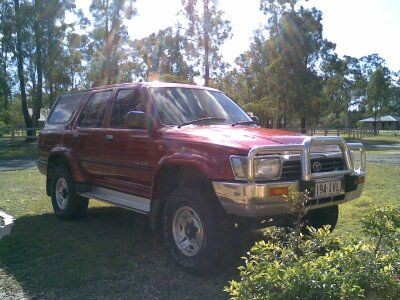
(176, 106)
(65, 107)
(95, 109)
(127, 100)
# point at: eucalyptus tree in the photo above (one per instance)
(108, 48)
(160, 54)
(378, 93)
(6, 50)
(207, 31)
(20, 31)
(394, 97)
(295, 49)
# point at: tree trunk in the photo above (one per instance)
(39, 70)
(51, 93)
(206, 45)
(303, 125)
(108, 45)
(375, 123)
(20, 66)
(6, 90)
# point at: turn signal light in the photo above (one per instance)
(361, 179)
(278, 191)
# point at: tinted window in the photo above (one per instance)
(127, 100)
(95, 110)
(179, 105)
(65, 107)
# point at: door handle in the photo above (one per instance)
(109, 137)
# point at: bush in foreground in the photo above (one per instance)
(321, 266)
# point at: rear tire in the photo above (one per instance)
(193, 230)
(317, 218)
(67, 204)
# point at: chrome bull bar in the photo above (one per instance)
(304, 150)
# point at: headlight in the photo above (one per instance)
(267, 168)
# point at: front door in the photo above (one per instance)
(129, 153)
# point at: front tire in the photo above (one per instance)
(193, 231)
(67, 204)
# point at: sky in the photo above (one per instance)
(358, 27)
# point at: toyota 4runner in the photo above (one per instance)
(190, 159)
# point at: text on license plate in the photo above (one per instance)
(327, 188)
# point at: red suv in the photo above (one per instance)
(192, 160)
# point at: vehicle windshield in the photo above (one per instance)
(177, 106)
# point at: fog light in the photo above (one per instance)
(278, 191)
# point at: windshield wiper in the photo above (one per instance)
(244, 123)
(201, 120)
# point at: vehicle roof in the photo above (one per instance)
(146, 84)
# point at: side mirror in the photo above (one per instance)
(255, 119)
(136, 120)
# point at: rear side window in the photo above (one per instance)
(65, 107)
(95, 110)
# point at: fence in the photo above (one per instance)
(14, 133)
(350, 133)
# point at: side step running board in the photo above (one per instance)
(128, 201)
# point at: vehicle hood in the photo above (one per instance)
(242, 137)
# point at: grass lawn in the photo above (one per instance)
(112, 252)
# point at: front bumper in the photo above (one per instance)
(253, 200)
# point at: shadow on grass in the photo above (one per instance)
(110, 253)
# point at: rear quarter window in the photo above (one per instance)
(65, 107)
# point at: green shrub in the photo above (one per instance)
(3, 128)
(322, 266)
(383, 225)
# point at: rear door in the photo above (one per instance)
(88, 138)
(129, 152)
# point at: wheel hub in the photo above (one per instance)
(188, 231)
(62, 193)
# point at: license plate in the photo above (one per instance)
(327, 188)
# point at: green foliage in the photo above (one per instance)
(3, 128)
(175, 79)
(206, 31)
(321, 265)
(383, 224)
(289, 75)
(378, 91)
(12, 116)
(108, 58)
(161, 54)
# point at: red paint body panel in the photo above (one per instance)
(131, 161)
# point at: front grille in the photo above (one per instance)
(291, 169)
(328, 164)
